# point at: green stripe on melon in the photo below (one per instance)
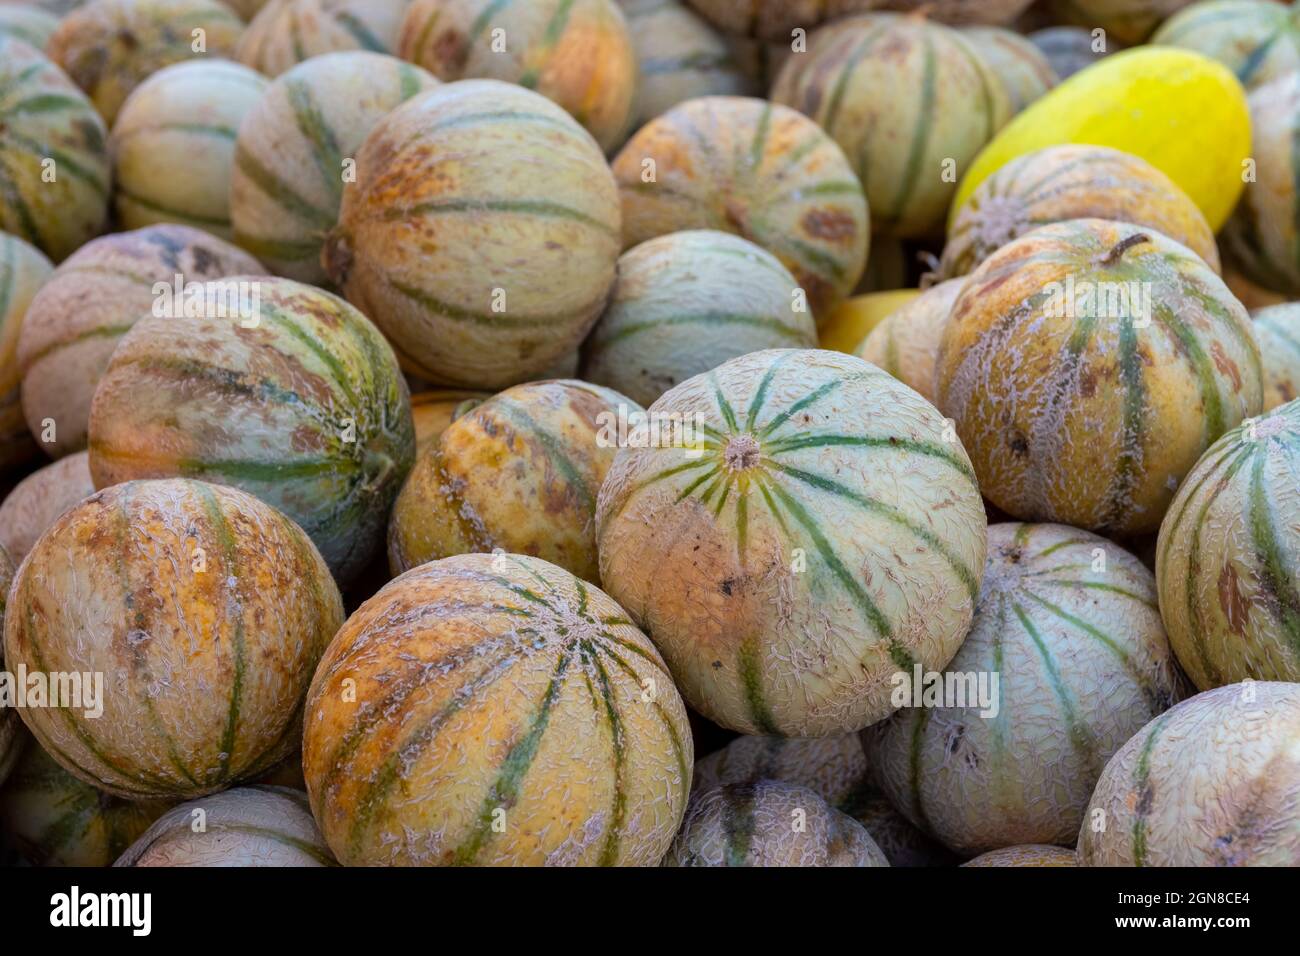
(1278, 330)
(1259, 41)
(288, 32)
(29, 24)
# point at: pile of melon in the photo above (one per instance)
(681, 433)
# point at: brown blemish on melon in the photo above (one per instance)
(1236, 609)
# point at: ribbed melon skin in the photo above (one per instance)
(247, 826)
(768, 823)
(906, 344)
(1228, 561)
(75, 321)
(519, 472)
(902, 96)
(685, 303)
(479, 276)
(308, 411)
(1070, 49)
(11, 738)
(39, 498)
(1021, 66)
(23, 270)
(1090, 412)
(1277, 329)
(286, 32)
(1259, 40)
(54, 819)
(110, 46)
(771, 19)
(821, 535)
(957, 12)
(173, 145)
(218, 658)
(756, 169)
(505, 713)
(1032, 854)
(44, 116)
(289, 162)
(1083, 664)
(1059, 183)
(30, 24)
(1213, 782)
(434, 410)
(1128, 21)
(577, 53)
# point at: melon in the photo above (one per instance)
(39, 499)
(1129, 21)
(49, 131)
(680, 56)
(30, 24)
(57, 7)
(11, 738)
(906, 344)
(1087, 365)
(1071, 49)
(223, 606)
(1068, 621)
(772, 20)
(247, 826)
(901, 842)
(518, 473)
(285, 32)
(1277, 329)
(1033, 854)
(109, 47)
(911, 102)
(1213, 782)
(495, 710)
(685, 303)
(756, 169)
(577, 53)
(296, 147)
(1228, 560)
(821, 532)
(996, 12)
(173, 145)
(23, 270)
(1257, 39)
(54, 819)
(303, 406)
(434, 410)
(768, 823)
(246, 8)
(1023, 69)
(854, 319)
(482, 234)
(1057, 183)
(77, 318)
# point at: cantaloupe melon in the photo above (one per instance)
(1068, 621)
(54, 169)
(247, 826)
(854, 319)
(1033, 854)
(285, 32)
(77, 318)
(771, 19)
(1023, 69)
(685, 303)
(480, 275)
(23, 270)
(173, 145)
(11, 739)
(109, 47)
(906, 343)
(40, 498)
(303, 406)
(1277, 329)
(1130, 21)
(434, 410)
(220, 603)
(1213, 782)
(30, 24)
(297, 147)
(1088, 365)
(768, 823)
(1071, 49)
(520, 473)
(759, 170)
(818, 533)
(495, 710)
(246, 8)
(959, 12)
(1258, 40)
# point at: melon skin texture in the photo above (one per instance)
(23, 270)
(307, 410)
(772, 20)
(225, 606)
(54, 819)
(1213, 782)
(957, 12)
(1058, 183)
(294, 149)
(59, 216)
(1182, 112)
(286, 32)
(434, 410)
(1080, 407)
(1083, 663)
(1258, 40)
(501, 712)
(756, 169)
(1129, 21)
(769, 824)
(247, 9)
(75, 321)
(30, 24)
(482, 234)
(518, 473)
(11, 737)
(1021, 66)
(816, 536)
(247, 826)
(39, 499)
(1032, 854)
(906, 343)
(906, 99)
(110, 46)
(1277, 329)
(685, 303)
(1071, 49)
(173, 145)
(1228, 559)
(577, 53)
